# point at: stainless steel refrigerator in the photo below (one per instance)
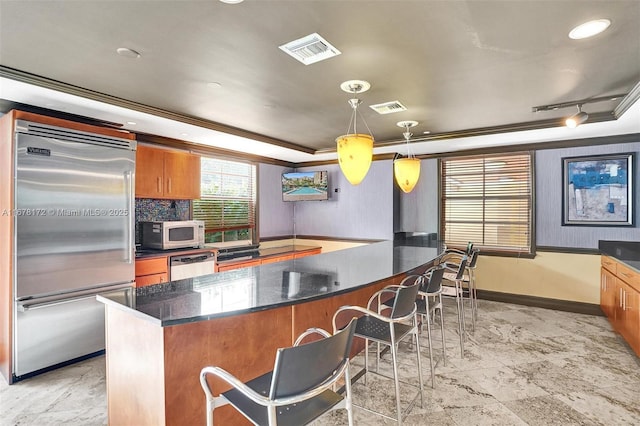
(74, 238)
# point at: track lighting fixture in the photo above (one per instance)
(576, 119)
(581, 116)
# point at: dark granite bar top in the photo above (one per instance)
(627, 252)
(277, 284)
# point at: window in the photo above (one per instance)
(228, 199)
(487, 200)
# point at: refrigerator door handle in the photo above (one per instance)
(128, 178)
(24, 307)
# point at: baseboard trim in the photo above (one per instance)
(541, 302)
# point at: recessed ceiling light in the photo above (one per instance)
(127, 53)
(131, 123)
(184, 134)
(589, 29)
(214, 85)
(232, 1)
(426, 132)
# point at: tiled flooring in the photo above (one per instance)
(523, 366)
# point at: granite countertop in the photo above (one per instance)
(231, 258)
(145, 253)
(276, 284)
(627, 252)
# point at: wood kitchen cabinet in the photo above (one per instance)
(607, 292)
(239, 264)
(274, 259)
(162, 173)
(152, 271)
(271, 258)
(620, 300)
(299, 254)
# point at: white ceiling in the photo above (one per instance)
(456, 65)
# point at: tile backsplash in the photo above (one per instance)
(148, 209)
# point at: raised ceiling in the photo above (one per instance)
(456, 65)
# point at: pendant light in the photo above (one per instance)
(407, 170)
(355, 150)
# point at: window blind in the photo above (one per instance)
(488, 200)
(228, 195)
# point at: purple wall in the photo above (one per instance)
(275, 217)
(364, 211)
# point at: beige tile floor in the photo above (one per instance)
(522, 366)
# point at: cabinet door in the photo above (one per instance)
(630, 325)
(607, 293)
(618, 311)
(149, 172)
(181, 175)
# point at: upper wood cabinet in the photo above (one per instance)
(162, 173)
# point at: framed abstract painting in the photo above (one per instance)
(598, 190)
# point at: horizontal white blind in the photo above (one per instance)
(487, 200)
(228, 195)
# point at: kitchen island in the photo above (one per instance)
(235, 320)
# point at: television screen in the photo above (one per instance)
(304, 186)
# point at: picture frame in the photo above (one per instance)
(598, 190)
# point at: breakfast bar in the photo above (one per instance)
(156, 348)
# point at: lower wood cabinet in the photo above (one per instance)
(607, 292)
(238, 265)
(152, 271)
(266, 260)
(620, 300)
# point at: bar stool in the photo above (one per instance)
(457, 291)
(430, 288)
(389, 330)
(298, 390)
(468, 279)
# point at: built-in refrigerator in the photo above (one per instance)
(74, 239)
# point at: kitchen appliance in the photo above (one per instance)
(192, 265)
(172, 234)
(74, 239)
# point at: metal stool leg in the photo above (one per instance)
(444, 346)
(395, 379)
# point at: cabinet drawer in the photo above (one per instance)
(145, 280)
(238, 265)
(274, 259)
(298, 255)
(609, 264)
(156, 265)
(629, 276)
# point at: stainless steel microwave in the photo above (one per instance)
(172, 234)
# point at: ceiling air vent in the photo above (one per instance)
(388, 107)
(310, 49)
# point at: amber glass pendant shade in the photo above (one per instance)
(407, 173)
(355, 152)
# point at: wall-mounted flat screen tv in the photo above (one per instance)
(305, 186)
